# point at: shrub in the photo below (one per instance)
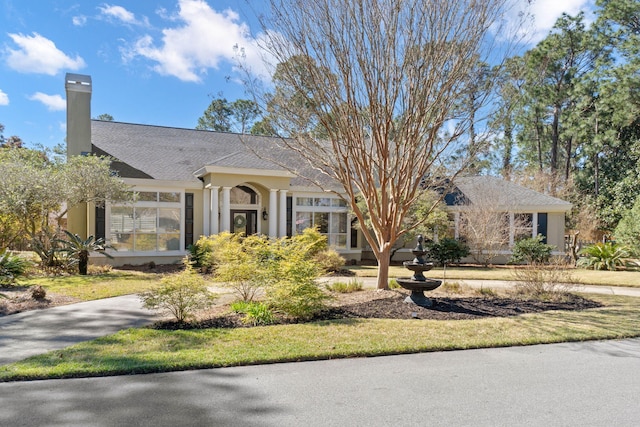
(603, 256)
(628, 230)
(552, 281)
(257, 313)
(487, 292)
(11, 267)
(293, 272)
(447, 251)
(531, 251)
(393, 284)
(329, 260)
(38, 293)
(78, 249)
(453, 288)
(241, 264)
(352, 285)
(180, 294)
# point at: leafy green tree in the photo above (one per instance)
(105, 117)
(224, 116)
(38, 190)
(628, 230)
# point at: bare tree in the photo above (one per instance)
(488, 224)
(373, 84)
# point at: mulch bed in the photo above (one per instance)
(390, 305)
(19, 299)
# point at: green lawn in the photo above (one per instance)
(85, 288)
(147, 350)
(586, 277)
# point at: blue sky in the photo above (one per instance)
(151, 61)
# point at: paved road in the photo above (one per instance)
(572, 384)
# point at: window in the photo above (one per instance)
(327, 214)
(522, 226)
(152, 224)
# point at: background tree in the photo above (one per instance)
(379, 79)
(37, 189)
(105, 117)
(224, 116)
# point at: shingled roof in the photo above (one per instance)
(504, 194)
(174, 154)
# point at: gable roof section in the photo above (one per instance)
(503, 195)
(174, 154)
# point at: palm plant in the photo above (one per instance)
(78, 249)
(603, 256)
(11, 266)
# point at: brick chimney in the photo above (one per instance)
(78, 89)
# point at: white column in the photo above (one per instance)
(273, 212)
(282, 214)
(206, 212)
(512, 228)
(225, 213)
(215, 208)
(456, 225)
(534, 224)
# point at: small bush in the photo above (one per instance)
(255, 313)
(99, 269)
(603, 256)
(531, 251)
(258, 313)
(329, 260)
(487, 292)
(180, 294)
(352, 285)
(38, 293)
(11, 267)
(393, 284)
(552, 281)
(453, 288)
(447, 251)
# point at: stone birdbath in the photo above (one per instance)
(417, 283)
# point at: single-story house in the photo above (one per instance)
(193, 183)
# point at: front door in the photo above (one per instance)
(244, 221)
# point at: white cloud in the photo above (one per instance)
(544, 14)
(4, 98)
(37, 54)
(202, 40)
(121, 14)
(52, 102)
(79, 21)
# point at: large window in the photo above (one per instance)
(151, 224)
(328, 214)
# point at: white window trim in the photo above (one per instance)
(109, 205)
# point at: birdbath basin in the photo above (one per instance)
(418, 283)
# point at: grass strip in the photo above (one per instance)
(136, 351)
(585, 277)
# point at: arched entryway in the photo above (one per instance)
(245, 205)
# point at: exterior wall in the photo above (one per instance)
(555, 230)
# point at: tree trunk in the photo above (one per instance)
(83, 262)
(384, 259)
